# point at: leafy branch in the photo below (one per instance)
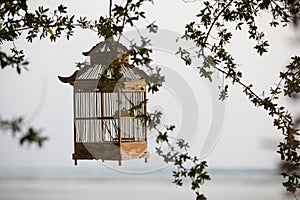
(17, 20)
(214, 18)
(16, 127)
(187, 167)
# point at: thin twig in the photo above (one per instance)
(110, 6)
(215, 20)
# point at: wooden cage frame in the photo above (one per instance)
(97, 127)
(105, 126)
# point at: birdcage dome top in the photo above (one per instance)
(101, 56)
(108, 45)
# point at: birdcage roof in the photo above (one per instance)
(95, 73)
(108, 45)
(98, 70)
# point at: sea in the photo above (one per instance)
(89, 183)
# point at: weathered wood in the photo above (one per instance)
(133, 150)
(91, 118)
(110, 151)
(103, 150)
(94, 85)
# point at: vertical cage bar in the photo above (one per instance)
(119, 117)
(145, 112)
(102, 115)
(74, 122)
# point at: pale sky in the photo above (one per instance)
(247, 138)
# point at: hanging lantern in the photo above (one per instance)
(109, 102)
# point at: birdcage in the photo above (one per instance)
(109, 103)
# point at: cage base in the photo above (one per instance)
(111, 151)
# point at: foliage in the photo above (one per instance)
(16, 127)
(211, 35)
(187, 167)
(16, 19)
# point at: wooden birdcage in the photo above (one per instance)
(106, 126)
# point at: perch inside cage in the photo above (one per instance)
(106, 126)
